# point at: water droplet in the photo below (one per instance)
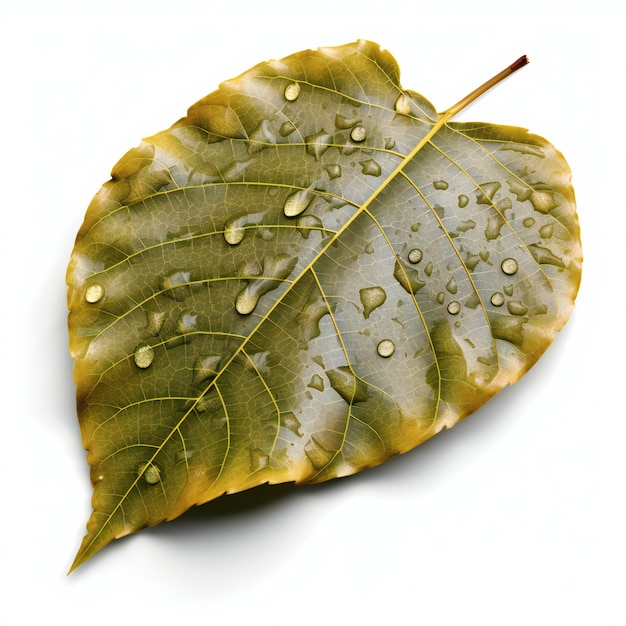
(441, 297)
(369, 249)
(508, 328)
(292, 91)
(261, 138)
(258, 460)
(94, 293)
(543, 201)
(370, 167)
(466, 225)
(286, 128)
(358, 133)
(516, 307)
(509, 266)
(463, 201)
(440, 185)
(347, 385)
(308, 223)
(497, 299)
(415, 227)
(144, 355)
(344, 122)
(403, 104)
(298, 202)
(318, 143)
(454, 308)
(150, 473)
(508, 290)
(408, 278)
(291, 422)
(452, 287)
(415, 256)
(546, 231)
(246, 301)
(333, 170)
(187, 322)
(390, 143)
(529, 222)
(486, 192)
(206, 368)
(428, 270)
(494, 224)
(371, 299)
(386, 348)
(316, 382)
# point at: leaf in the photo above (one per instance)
(311, 272)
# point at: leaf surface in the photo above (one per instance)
(311, 272)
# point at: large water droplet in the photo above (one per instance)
(292, 91)
(318, 143)
(494, 224)
(386, 348)
(408, 277)
(466, 225)
(544, 256)
(529, 222)
(286, 128)
(144, 355)
(333, 170)
(440, 185)
(463, 201)
(358, 134)
(94, 293)
(546, 231)
(509, 266)
(150, 473)
(186, 322)
(246, 301)
(347, 385)
(370, 167)
(371, 299)
(298, 202)
(486, 192)
(403, 104)
(415, 256)
(543, 201)
(497, 299)
(516, 307)
(454, 308)
(316, 382)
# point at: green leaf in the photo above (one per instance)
(311, 272)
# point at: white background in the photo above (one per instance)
(516, 516)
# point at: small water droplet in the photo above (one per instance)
(144, 355)
(509, 266)
(428, 270)
(403, 104)
(497, 299)
(258, 460)
(441, 297)
(371, 299)
(454, 308)
(358, 133)
(370, 167)
(463, 201)
(333, 170)
(292, 91)
(390, 143)
(234, 233)
(94, 293)
(452, 287)
(150, 473)
(466, 225)
(440, 185)
(386, 348)
(316, 382)
(508, 290)
(286, 128)
(415, 227)
(369, 249)
(529, 222)
(415, 256)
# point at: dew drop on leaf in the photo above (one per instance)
(292, 91)
(94, 293)
(386, 348)
(509, 266)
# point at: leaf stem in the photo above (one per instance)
(459, 106)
